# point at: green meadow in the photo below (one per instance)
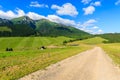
(23, 43)
(27, 56)
(113, 50)
(90, 41)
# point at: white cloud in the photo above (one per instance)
(60, 20)
(19, 12)
(96, 30)
(37, 4)
(97, 3)
(86, 1)
(85, 25)
(7, 15)
(99, 31)
(10, 14)
(65, 9)
(35, 16)
(55, 6)
(117, 3)
(89, 26)
(89, 10)
(95, 27)
(93, 31)
(89, 23)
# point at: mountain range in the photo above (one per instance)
(24, 26)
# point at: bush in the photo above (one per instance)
(64, 42)
(9, 49)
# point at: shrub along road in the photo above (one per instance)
(90, 65)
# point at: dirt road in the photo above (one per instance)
(90, 65)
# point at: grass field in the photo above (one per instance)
(27, 58)
(24, 43)
(90, 41)
(113, 50)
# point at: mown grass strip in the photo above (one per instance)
(90, 41)
(19, 43)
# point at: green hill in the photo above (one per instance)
(5, 22)
(48, 28)
(24, 26)
(111, 37)
(24, 20)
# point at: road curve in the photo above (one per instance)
(90, 65)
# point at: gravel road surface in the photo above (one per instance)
(89, 65)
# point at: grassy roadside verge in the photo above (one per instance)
(14, 65)
(113, 50)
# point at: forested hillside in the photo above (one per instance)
(24, 26)
(111, 37)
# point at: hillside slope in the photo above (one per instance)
(48, 28)
(24, 26)
(111, 37)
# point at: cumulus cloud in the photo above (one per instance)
(10, 14)
(99, 31)
(117, 3)
(89, 10)
(35, 16)
(97, 3)
(7, 15)
(89, 23)
(89, 26)
(53, 18)
(60, 20)
(55, 6)
(18, 13)
(95, 27)
(94, 31)
(86, 1)
(37, 4)
(65, 9)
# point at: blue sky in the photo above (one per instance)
(93, 16)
